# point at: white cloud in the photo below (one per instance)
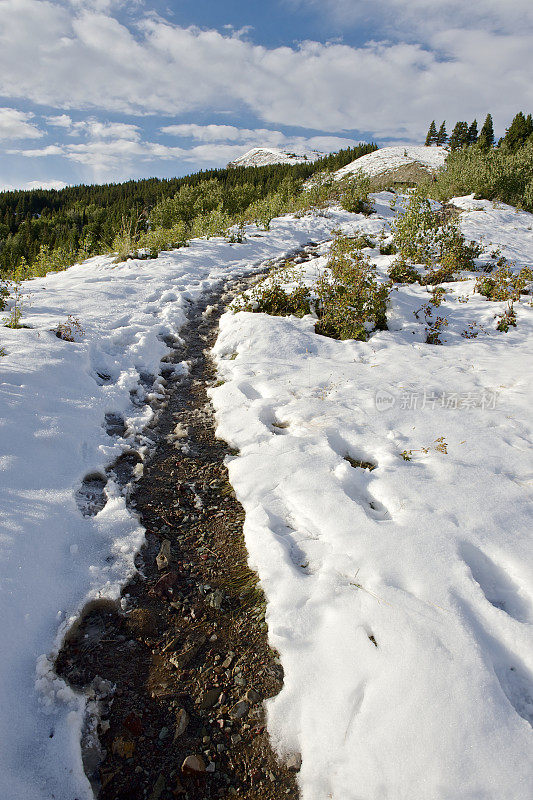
(16, 125)
(59, 121)
(107, 130)
(80, 56)
(109, 158)
(421, 18)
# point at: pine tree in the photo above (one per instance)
(459, 137)
(431, 137)
(472, 133)
(442, 136)
(486, 136)
(520, 129)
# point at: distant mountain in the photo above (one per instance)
(263, 156)
(387, 159)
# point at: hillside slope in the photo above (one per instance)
(263, 156)
(391, 158)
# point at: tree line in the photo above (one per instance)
(80, 221)
(517, 134)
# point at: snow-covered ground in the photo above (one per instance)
(399, 598)
(262, 156)
(389, 158)
(54, 397)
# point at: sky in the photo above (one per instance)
(93, 91)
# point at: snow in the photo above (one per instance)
(390, 158)
(54, 396)
(399, 599)
(262, 156)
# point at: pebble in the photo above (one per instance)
(239, 709)
(294, 762)
(193, 765)
(164, 556)
(182, 720)
(252, 696)
(209, 699)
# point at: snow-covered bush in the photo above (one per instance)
(352, 302)
(423, 236)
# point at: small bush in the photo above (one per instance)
(401, 272)
(504, 284)
(388, 249)
(71, 330)
(351, 301)
(423, 236)
(271, 298)
(354, 197)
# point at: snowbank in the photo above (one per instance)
(399, 598)
(54, 398)
(390, 158)
(262, 156)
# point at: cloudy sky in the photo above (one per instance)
(102, 90)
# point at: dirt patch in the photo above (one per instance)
(187, 652)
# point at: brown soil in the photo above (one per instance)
(190, 640)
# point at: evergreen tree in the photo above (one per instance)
(520, 129)
(459, 137)
(431, 137)
(486, 136)
(472, 133)
(442, 136)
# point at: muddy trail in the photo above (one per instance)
(179, 671)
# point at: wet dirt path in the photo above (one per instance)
(186, 657)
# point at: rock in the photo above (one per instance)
(226, 664)
(165, 585)
(189, 652)
(252, 696)
(159, 787)
(294, 762)
(182, 720)
(193, 765)
(163, 733)
(215, 599)
(239, 710)
(209, 699)
(164, 556)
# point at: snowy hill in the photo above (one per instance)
(391, 158)
(263, 156)
(386, 486)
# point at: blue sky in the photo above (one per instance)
(105, 90)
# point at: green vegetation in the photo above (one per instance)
(431, 239)
(347, 298)
(51, 229)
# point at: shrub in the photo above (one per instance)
(354, 196)
(159, 239)
(504, 284)
(52, 260)
(71, 330)
(271, 298)
(401, 272)
(493, 174)
(351, 301)
(423, 236)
